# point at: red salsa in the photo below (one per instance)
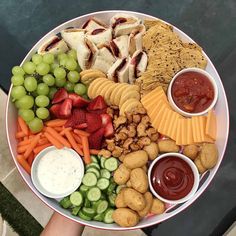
(192, 92)
(172, 178)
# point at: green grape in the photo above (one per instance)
(49, 80)
(29, 67)
(42, 68)
(26, 102)
(17, 70)
(51, 93)
(36, 59)
(36, 125)
(53, 66)
(80, 89)
(85, 96)
(60, 82)
(17, 79)
(27, 114)
(61, 56)
(42, 89)
(69, 86)
(72, 53)
(48, 58)
(30, 83)
(42, 101)
(42, 113)
(59, 73)
(73, 76)
(63, 61)
(71, 64)
(18, 92)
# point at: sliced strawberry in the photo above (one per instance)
(109, 130)
(54, 110)
(95, 139)
(78, 117)
(60, 96)
(97, 103)
(78, 101)
(106, 118)
(81, 126)
(102, 111)
(65, 109)
(94, 122)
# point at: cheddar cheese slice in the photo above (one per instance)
(164, 120)
(189, 131)
(166, 123)
(152, 112)
(178, 132)
(153, 92)
(147, 100)
(211, 125)
(169, 127)
(173, 131)
(158, 117)
(184, 140)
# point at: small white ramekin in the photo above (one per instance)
(35, 179)
(195, 174)
(188, 114)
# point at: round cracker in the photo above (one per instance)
(94, 74)
(94, 85)
(130, 94)
(105, 88)
(115, 96)
(101, 87)
(107, 94)
(126, 104)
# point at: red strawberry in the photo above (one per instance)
(65, 109)
(97, 103)
(105, 119)
(95, 139)
(60, 96)
(93, 121)
(103, 111)
(109, 130)
(54, 110)
(78, 101)
(78, 117)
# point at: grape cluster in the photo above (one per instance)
(35, 83)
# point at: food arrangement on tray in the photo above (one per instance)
(133, 101)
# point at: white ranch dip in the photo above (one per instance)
(59, 171)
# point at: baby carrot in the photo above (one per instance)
(72, 142)
(24, 163)
(42, 141)
(22, 149)
(57, 136)
(85, 143)
(81, 132)
(63, 130)
(31, 159)
(24, 142)
(53, 141)
(23, 125)
(56, 122)
(94, 151)
(77, 138)
(32, 145)
(41, 147)
(58, 128)
(20, 134)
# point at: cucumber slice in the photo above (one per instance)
(75, 210)
(65, 202)
(90, 212)
(93, 165)
(111, 187)
(94, 194)
(103, 183)
(93, 170)
(111, 164)
(83, 216)
(102, 206)
(102, 161)
(94, 159)
(83, 189)
(89, 179)
(119, 187)
(87, 203)
(105, 173)
(108, 216)
(111, 199)
(76, 198)
(99, 217)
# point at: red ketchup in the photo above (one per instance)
(192, 92)
(172, 178)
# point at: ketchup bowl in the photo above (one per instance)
(173, 178)
(192, 92)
